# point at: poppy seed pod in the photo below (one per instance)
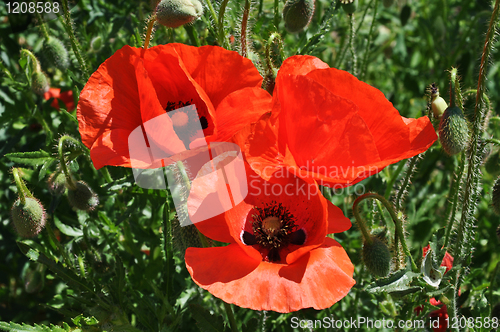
(297, 14)
(174, 13)
(56, 53)
(349, 6)
(28, 218)
(82, 197)
(39, 83)
(377, 257)
(495, 200)
(453, 130)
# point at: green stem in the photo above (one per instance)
(369, 42)
(60, 149)
(43, 26)
(393, 179)
(495, 118)
(212, 12)
(492, 141)
(67, 22)
(274, 36)
(193, 36)
(244, 24)
(222, 35)
(230, 316)
(406, 182)
(395, 219)
(454, 190)
(105, 172)
(361, 221)
(22, 190)
(351, 44)
(473, 178)
(35, 65)
(455, 90)
(58, 244)
(277, 14)
(149, 31)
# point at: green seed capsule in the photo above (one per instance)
(82, 197)
(453, 130)
(297, 14)
(174, 13)
(349, 6)
(495, 200)
(377, 257)
(39, 83)
(56, 53)
(29, 218)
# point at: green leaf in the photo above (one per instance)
(13, 327)
(400, 285)
(33, 158)
(67, 230)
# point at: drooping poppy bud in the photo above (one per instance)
(82, 197)
(28, 218)
(56, 53)
(297, 14)
(57, 183)
(453, 130)
(495, 199)
(39, 83)
(377, 257)
(349, 6)
(174, 13)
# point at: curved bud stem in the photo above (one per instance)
(35, 66)
(22, 190)
(60, 149)
(395, 219)
(149, 31)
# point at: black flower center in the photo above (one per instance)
(273, 229)
(185, 120)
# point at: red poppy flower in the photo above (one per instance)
(279, 257)
(66, 97)
(135, 85)
(328, 125)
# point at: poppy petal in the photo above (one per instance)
(110, 98)
(337, 222)
(239, 109)
(218, 71)
(318, 279)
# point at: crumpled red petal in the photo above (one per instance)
(318, 279)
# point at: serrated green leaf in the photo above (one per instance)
(13, 327)
(33, 158)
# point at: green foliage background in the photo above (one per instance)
(126, 273)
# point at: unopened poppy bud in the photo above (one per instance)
(297, 14)
(495, 200)
(39, 83)
(453, 130)
(28, 218)
(438, 105)
(57, 183)
(349, 6)
(96, 43)
(174, 13)
(377, 257)
(56, 53)
(82, 197)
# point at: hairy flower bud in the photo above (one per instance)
(82, 197)
(377, 257)
(56, 53)
(174, 13)
(349, 6)
(57, 183)
(28, 218)
(39, 83)
(297, 14)
(453, 130)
